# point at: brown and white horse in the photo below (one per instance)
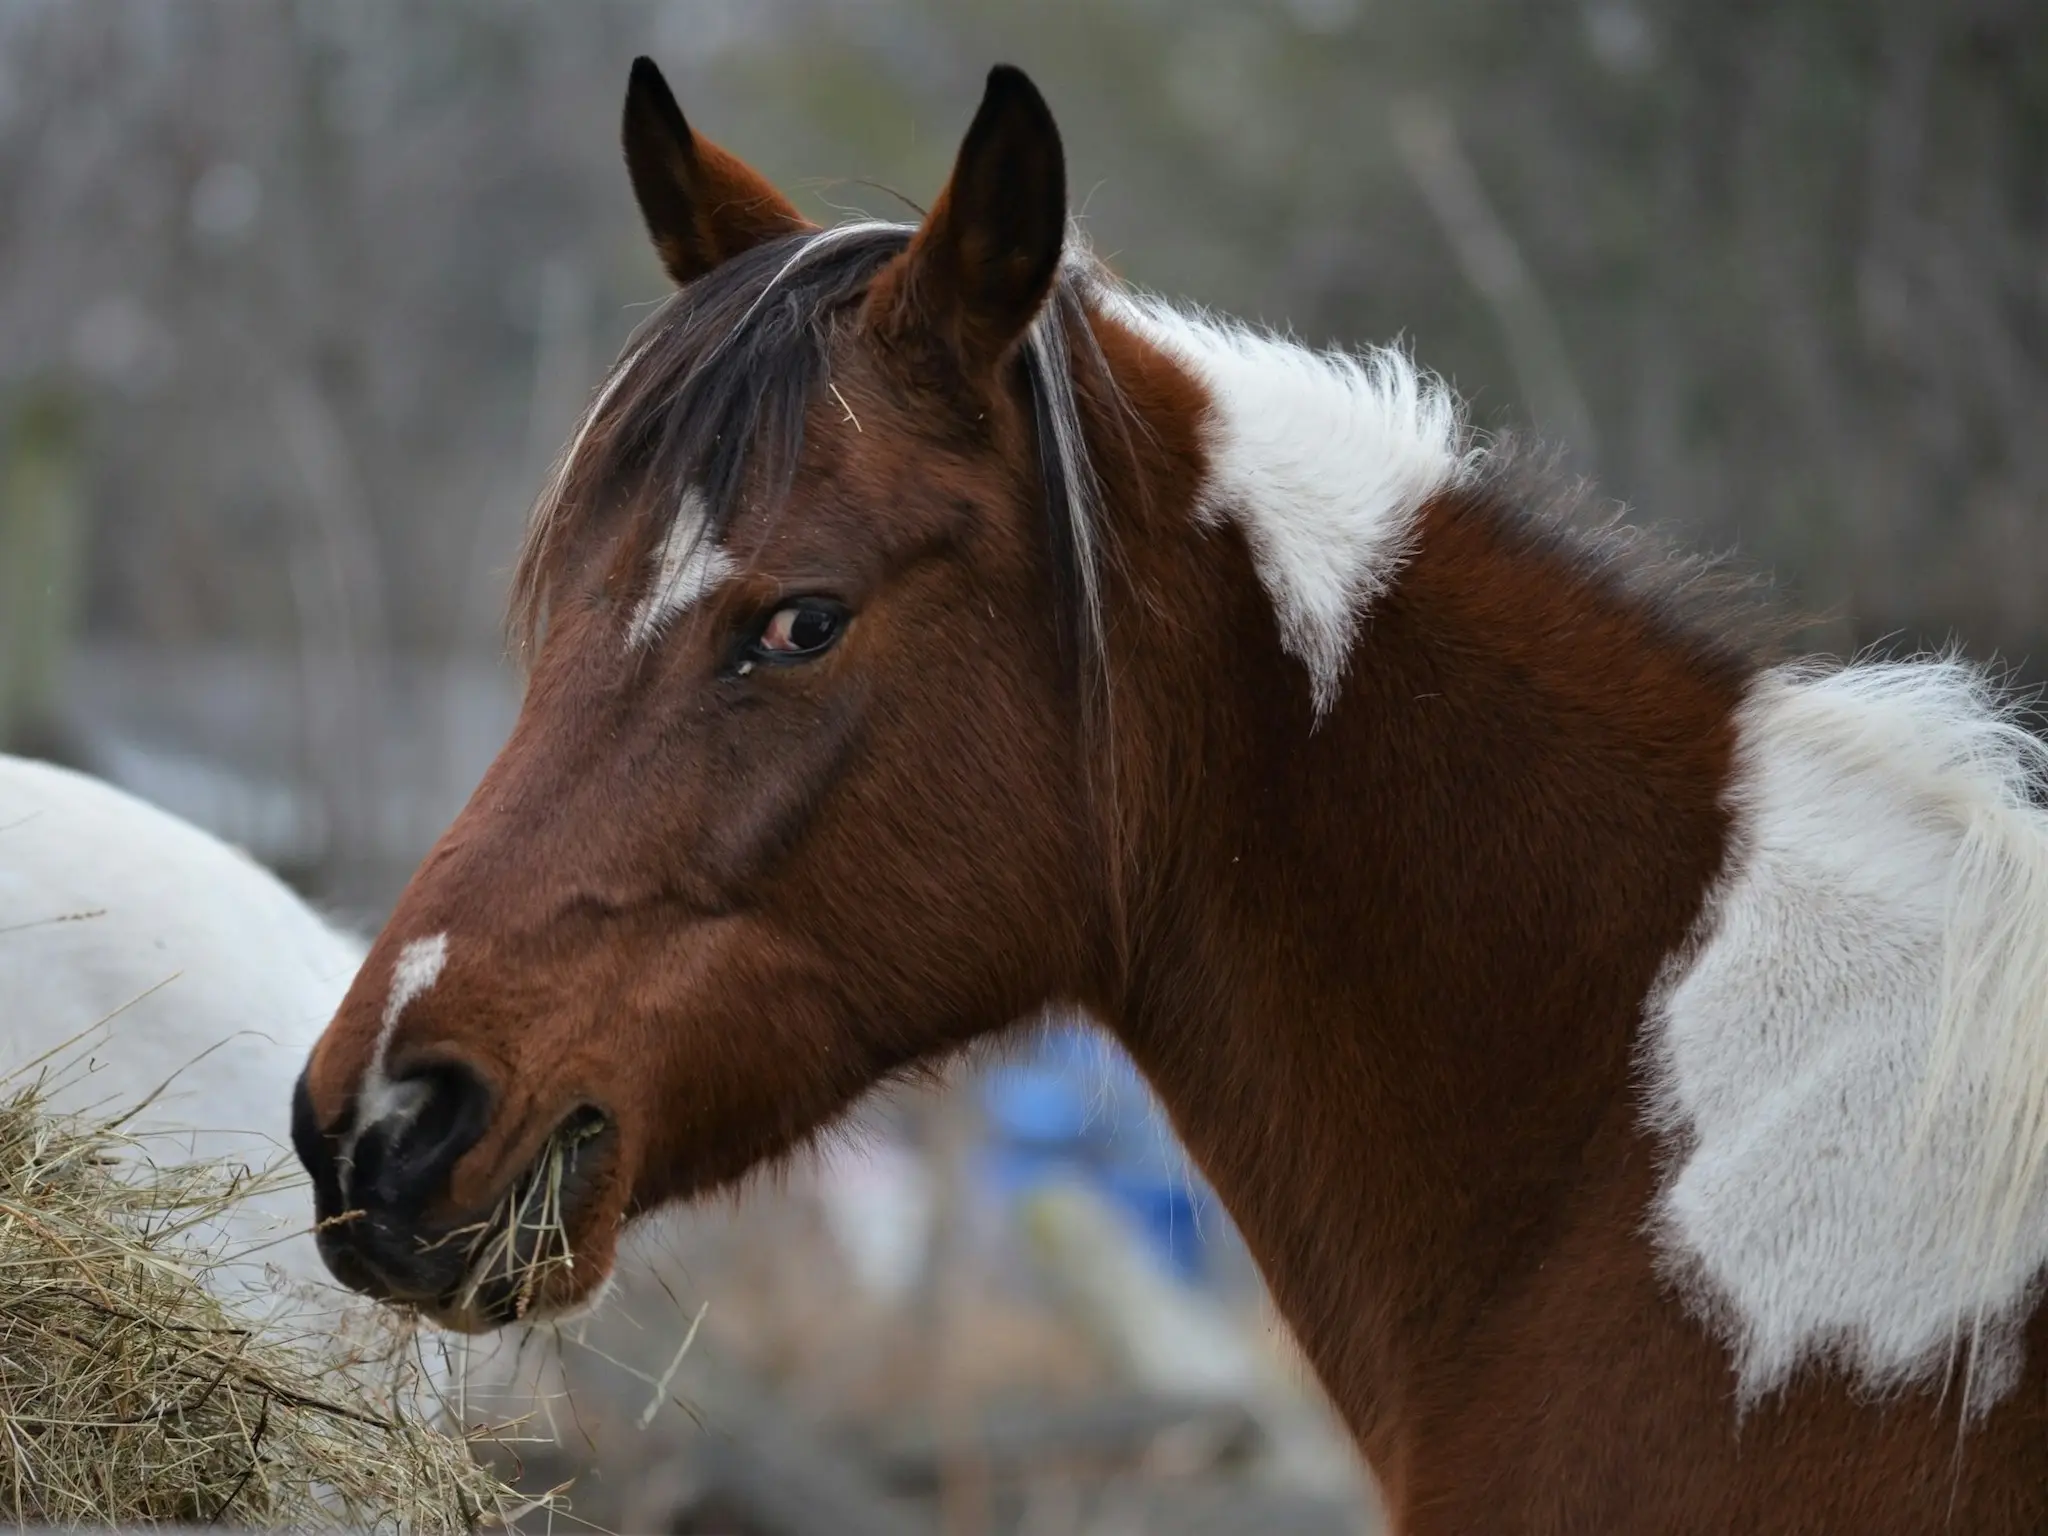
(1627, 1059)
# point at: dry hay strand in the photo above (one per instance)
(514, 1251)
(130, 1394)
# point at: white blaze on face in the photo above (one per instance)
(418, 967)
(690, 565)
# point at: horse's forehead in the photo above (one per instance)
(861, 491)
(878, 474)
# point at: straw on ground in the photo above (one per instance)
(131, 1394)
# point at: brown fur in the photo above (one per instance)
(1386, 972)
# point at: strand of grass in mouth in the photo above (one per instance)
(533, 1205)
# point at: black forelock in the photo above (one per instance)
(713, 390)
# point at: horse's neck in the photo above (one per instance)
(1387, 971)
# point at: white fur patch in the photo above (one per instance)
(1855, 1061)
(418, 967)
(1323, 460)
(689, 566)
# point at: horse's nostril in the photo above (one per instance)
(401, 1161)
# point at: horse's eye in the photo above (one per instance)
(798, 631)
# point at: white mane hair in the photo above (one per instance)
(144, 962)
(1854, 1058)
(1321, 458)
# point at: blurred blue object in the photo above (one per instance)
(1075, 1108)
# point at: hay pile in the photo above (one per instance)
(129, 1394)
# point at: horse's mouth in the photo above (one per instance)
(516, 1262)
(519, 1262)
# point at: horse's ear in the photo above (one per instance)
(702, 205)
(986, 256)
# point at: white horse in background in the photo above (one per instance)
(140, 956)
(145, 962)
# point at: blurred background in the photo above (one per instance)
(297, 300)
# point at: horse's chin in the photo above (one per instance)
(575, 1289)
(476, 1320)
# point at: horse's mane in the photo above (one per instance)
(1712, 605)
(713, 389)
(714, 386)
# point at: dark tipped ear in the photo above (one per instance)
(702, 205)
(987, 254)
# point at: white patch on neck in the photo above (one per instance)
(418, 967)
(689, 566)
(1853, 1064)
(1323, 460)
